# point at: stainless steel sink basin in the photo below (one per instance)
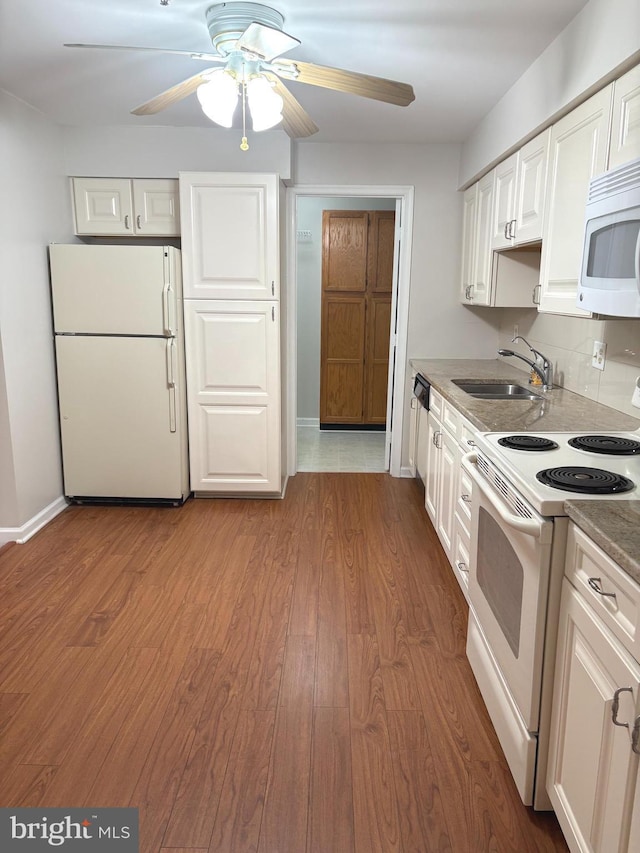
(495, 390)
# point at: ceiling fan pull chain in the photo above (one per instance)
(244, 145)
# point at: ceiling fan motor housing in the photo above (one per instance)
(226, 22)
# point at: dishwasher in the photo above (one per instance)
(421, 391)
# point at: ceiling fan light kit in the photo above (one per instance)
(248, 40)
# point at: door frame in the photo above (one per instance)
(404, 196)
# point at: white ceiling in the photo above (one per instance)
(460, 56)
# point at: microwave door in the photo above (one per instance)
(610, 275)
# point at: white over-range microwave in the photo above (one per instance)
(610, 273)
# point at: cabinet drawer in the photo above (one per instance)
(461, 551)
(467, 435)
(463, 500)
(435, 404)
(588, 568)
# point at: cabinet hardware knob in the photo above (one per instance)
(471, 443)
(462, 567)
(466, 498)
(615, 705)
(138, 221)
(507, 226)
(126, 220)
(512, 229)
(596, 586)
(535, 295)
(635, 736)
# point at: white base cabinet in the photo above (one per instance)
(233, 370)
(592, 773)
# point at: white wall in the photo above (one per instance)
(161, 152)
(602, 38)
(309, 291)
(34, 212)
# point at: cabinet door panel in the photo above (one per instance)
(382, 229)
(579, 145)
(233, 376)
(343, 348)
(377, 359)
(103, 206)
(625, 133)
(344, 250)
(591, 762)
(229, 236)
(156, 206)
(469, 217)
(531, 188)
(481, 290)
(504, 203)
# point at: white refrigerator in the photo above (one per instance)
(117, 319)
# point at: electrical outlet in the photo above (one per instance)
(635, 399)
(516, 331)
(598, 355)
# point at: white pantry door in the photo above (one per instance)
(233, 375)
(230, 243)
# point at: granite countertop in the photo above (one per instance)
(557, 411)
(613, 525)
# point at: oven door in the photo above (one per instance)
(508, 585)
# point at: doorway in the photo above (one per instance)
(302, 362)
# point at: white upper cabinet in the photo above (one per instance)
(126, 207)
(481, 284)
(579, 150)
(625, 132)
(520, 186)
(230, 246)
(469, 208)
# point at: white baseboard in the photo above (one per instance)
(308, 422)
(31, 527)
(405, 471)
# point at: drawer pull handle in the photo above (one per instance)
(596, 586)
(635, 736)
(466, 498)
(615, 704)
(463, 568)
(471, 443)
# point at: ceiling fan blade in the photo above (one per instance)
(209, 57)
(265, 42)
(171, 96)
(377, 88)
(296, 122)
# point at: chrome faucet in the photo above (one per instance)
(545, 373)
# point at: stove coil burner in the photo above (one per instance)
(586, 481)
(527, 442)
(613, 444)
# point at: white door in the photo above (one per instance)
(592, 771)
(531, 188)
(504, 188)
(103, 206)
(233, 374)
(230, 244)
(156, 205)
(120, 419)
(121, 290)
(625, 130)
(579, 146)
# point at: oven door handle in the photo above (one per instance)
(531, 526)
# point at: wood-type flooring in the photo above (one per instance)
(255, 675)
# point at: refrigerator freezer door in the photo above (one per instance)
(122, 433)
(113, 290)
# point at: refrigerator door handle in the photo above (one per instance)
(169, 308)
(171, 382)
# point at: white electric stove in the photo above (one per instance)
(547, 469)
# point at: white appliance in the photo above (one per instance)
(519, 525)
(117, 317)
(610, 272)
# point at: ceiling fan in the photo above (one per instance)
(249, 41)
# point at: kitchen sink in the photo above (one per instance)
(495, 390)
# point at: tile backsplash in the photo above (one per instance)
(568, 343)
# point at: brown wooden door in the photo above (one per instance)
(357, 275)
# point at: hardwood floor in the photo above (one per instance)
(272, 676)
